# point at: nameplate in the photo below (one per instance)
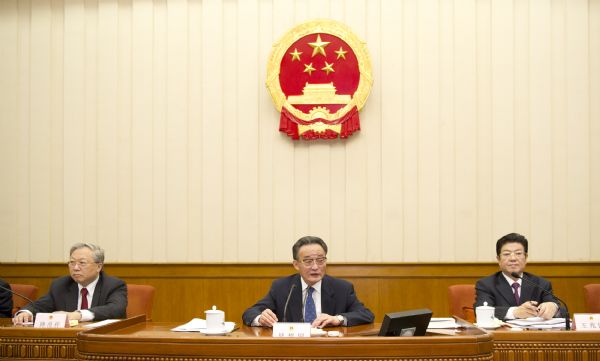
(291, 329)
(587, 321)
(51, 320)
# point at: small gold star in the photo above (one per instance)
(295, 54)
(308, 68)
(328, 68)
(341, 53)
(319, 46)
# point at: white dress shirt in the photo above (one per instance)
(509, 314)
(87, 315)
(316, 295)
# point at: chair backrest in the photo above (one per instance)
(139, 300)
(461, 299)
(591, 293)
(29, 291)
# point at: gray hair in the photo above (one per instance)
(307, 240)
(97, 252)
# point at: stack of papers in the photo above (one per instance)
(199, 325)
(538, 323)
(442, 322)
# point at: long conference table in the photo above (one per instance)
(136, 339)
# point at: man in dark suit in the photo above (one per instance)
(6, 303)
(311, 295)
(511, 297)
(88, 294)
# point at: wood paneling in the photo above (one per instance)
(134, 339)
(545, 345)
(145, 126)
(28, 343)
(184, 291)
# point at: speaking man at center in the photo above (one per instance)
(310, 295)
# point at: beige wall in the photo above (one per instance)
(145, 126)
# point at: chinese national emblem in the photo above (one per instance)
(319, 76)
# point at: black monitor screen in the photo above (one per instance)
(406, 323)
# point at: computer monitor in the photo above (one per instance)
(406, 323)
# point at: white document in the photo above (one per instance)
(101, 323)
(538, 322)
(442, 322)
(196, 324)
(199, 325)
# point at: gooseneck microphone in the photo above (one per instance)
(546, 292)
(287, 301)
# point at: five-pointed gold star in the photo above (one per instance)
(295, 54)
(341, 53)
(308, 68)
(319, 46)
(328, 68)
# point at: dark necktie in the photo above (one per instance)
(515, 287)
(310, 311)
(84, 303)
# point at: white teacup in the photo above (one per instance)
(215, 319)
(485, 315)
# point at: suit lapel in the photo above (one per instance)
(505, 289)
(527, 290)
(97, 292)
(327, 297)
(72, 297)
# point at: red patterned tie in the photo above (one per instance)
(516, 286)
(84, 303)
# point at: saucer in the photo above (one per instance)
(214, 332)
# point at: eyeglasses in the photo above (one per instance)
(81, 264)
(310, 261)
(517, 254)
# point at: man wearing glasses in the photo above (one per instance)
(511, 297)
(86, 295)
(310, 295)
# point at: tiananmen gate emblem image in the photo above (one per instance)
(319, 76)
